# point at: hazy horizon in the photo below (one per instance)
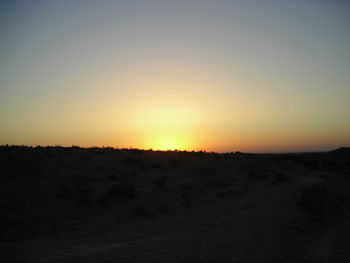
(221, 76)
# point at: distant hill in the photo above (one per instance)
(342, 150)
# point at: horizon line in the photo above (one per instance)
(169, 150)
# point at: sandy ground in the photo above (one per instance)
(104, 205)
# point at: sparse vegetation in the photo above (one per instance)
(103, 194)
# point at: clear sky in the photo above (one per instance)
(257, 76)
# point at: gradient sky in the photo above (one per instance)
(257, 76)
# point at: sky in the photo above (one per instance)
(253, 76)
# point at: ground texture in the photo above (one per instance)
(104, 205)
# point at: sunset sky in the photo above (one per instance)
(254, 76)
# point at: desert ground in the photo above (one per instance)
(77, 204)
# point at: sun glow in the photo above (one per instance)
(167, 106)
(168, 142)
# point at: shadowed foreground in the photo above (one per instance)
(105, 205)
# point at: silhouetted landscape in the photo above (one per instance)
(77, 204)
(216, 128)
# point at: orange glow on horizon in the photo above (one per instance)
(168, 142)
